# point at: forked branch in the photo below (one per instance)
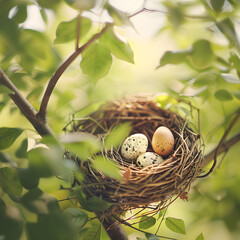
(53, 81)
(223, 146)
(25, 106)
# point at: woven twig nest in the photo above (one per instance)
(141, 187)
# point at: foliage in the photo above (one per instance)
(208, 57)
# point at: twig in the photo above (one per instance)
(164, 12)
(25, 107)
(53, 81)
(129, 225)
(222, 146)
(163, 217)
(79, 19)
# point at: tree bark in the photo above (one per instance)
(113, 228)
(25, 107)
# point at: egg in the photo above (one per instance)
(134, 145)
(163, 141)
(148, 158)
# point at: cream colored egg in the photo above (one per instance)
(148, 158)
(134, 145)
(163, 141)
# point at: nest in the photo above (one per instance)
(154, 186)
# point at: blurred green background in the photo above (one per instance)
(213, 207)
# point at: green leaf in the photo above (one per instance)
(49, 4)
(36, 50)
(20, 13)
(202, 54)
(28, 178)
(81, 144)
(146, 222)
(7, 159)
(8, 136)
(117, 47)
(43, 15)
(51, 226)
(117, 135)
(175, 13)
(39, 202)
(21, 152)
(11, 222)
(119, 17)
(92, 204)
(165, 100)
(176, 225)
(235, 61)
(46, 162)
(227, 28)
(67, 30)
(230, 78)
(200, 237)
(77, 216)
(217, 4)
(161, 213)
(96, 61)
(5, 90)
(2, 105)
(107, 167)
(205, 78)
(237, 94)
(223, 95)
(170, 57)
(9, 181)
(151, 236)
(39, 164)
(92, 232)
(81, 4)
(139, 238)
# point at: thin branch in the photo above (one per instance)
(113, 228)
(164, 12)
(25, 107)
(79, 19)
(140, 230)
(53, 81)
(223, 146)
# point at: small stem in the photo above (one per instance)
(79, 19)
(53, 81)
(164, 12)
(139, 230)
(223, 146)
(163, 217)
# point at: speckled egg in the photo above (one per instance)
(148, 158)
(134, 145)
(163, 141)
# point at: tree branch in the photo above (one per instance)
(113, 228)
(25, 107)
(53, 81)
(224, 147)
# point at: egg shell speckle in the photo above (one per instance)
(163, 141)
(134, 145)
(148, 158)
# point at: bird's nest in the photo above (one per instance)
(154, 186)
